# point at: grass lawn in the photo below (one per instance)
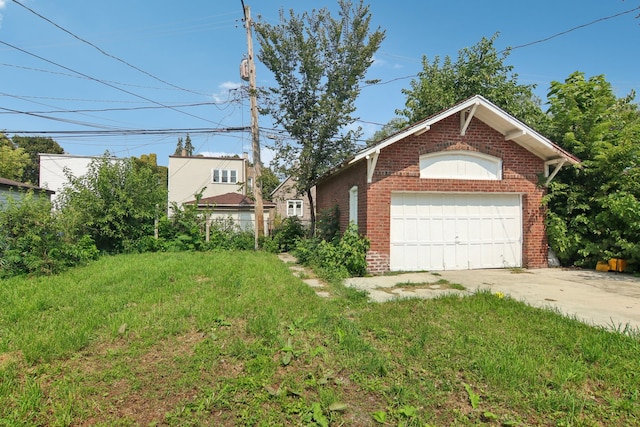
(226, 339)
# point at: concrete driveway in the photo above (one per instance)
(611, 300)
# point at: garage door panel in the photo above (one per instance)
(449, 229)
(436, 231)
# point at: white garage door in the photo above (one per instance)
(455, 231)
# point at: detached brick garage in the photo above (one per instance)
(459, 190)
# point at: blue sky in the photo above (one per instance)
(196, 46)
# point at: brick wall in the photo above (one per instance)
(398, 169)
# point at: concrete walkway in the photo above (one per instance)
(611, 300)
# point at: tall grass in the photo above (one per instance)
(233, 338)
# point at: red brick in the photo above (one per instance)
(398, 169)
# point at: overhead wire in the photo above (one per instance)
(571, 29)
(160, 105)
(124, 132)
(100, 81)
(103, 110)
(87, 78)
(102, 51)
(511, 48)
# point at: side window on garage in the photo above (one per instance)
(353, 204)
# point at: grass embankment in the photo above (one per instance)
(236, 339)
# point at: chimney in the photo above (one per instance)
(184, 152)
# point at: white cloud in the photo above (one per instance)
(266, 154)
(216, 154)
(225, 91)
(228, 85)
(3, 4)
(377, 62)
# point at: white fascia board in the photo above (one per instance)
(418, 128)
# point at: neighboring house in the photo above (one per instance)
(461, 189)
(15, 189)
(216, 175)
(289, 202)
(52, 170)
(226, 182)
(236, 206)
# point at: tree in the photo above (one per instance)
(33, 145)
(269, 180)
(162, 172)
(188, 146)
(179, 148)
(394, 125)
(479, 70)
(317, 62)
(114, 203)
(13, 161)
(594, 210)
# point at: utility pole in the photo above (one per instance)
(255, 137)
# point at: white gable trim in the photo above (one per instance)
(479, 107)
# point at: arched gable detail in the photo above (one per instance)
(460, 164)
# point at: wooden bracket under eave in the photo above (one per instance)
(372, 159)
(465, 119)
(558, 165)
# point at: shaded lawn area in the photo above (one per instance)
(233, 338)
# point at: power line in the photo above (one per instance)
(101, 81)
(103, 110)
(129, 132)
(85, 78)
(102, 51)
(569, 30)
(378, 83)
(42, 116)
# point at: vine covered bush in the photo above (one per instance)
(285, 236)
(34, 241)
(338, 259)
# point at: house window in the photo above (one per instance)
(353, 204)
(224, 176)
(294, 208)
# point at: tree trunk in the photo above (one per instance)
(312, 225)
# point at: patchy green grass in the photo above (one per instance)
(226, 339)
(439, 284)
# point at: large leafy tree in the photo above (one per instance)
(33, 145)
(13, 161)
(594, 210)
(317, 61)
(478, 70)
(269, 180)
(393, 126)
(115, 203)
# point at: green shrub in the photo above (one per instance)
(115, 202)
(226, 234)
(285, 236)
(353, 251)
(345, 257)
(328, 224)
(33, 240)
